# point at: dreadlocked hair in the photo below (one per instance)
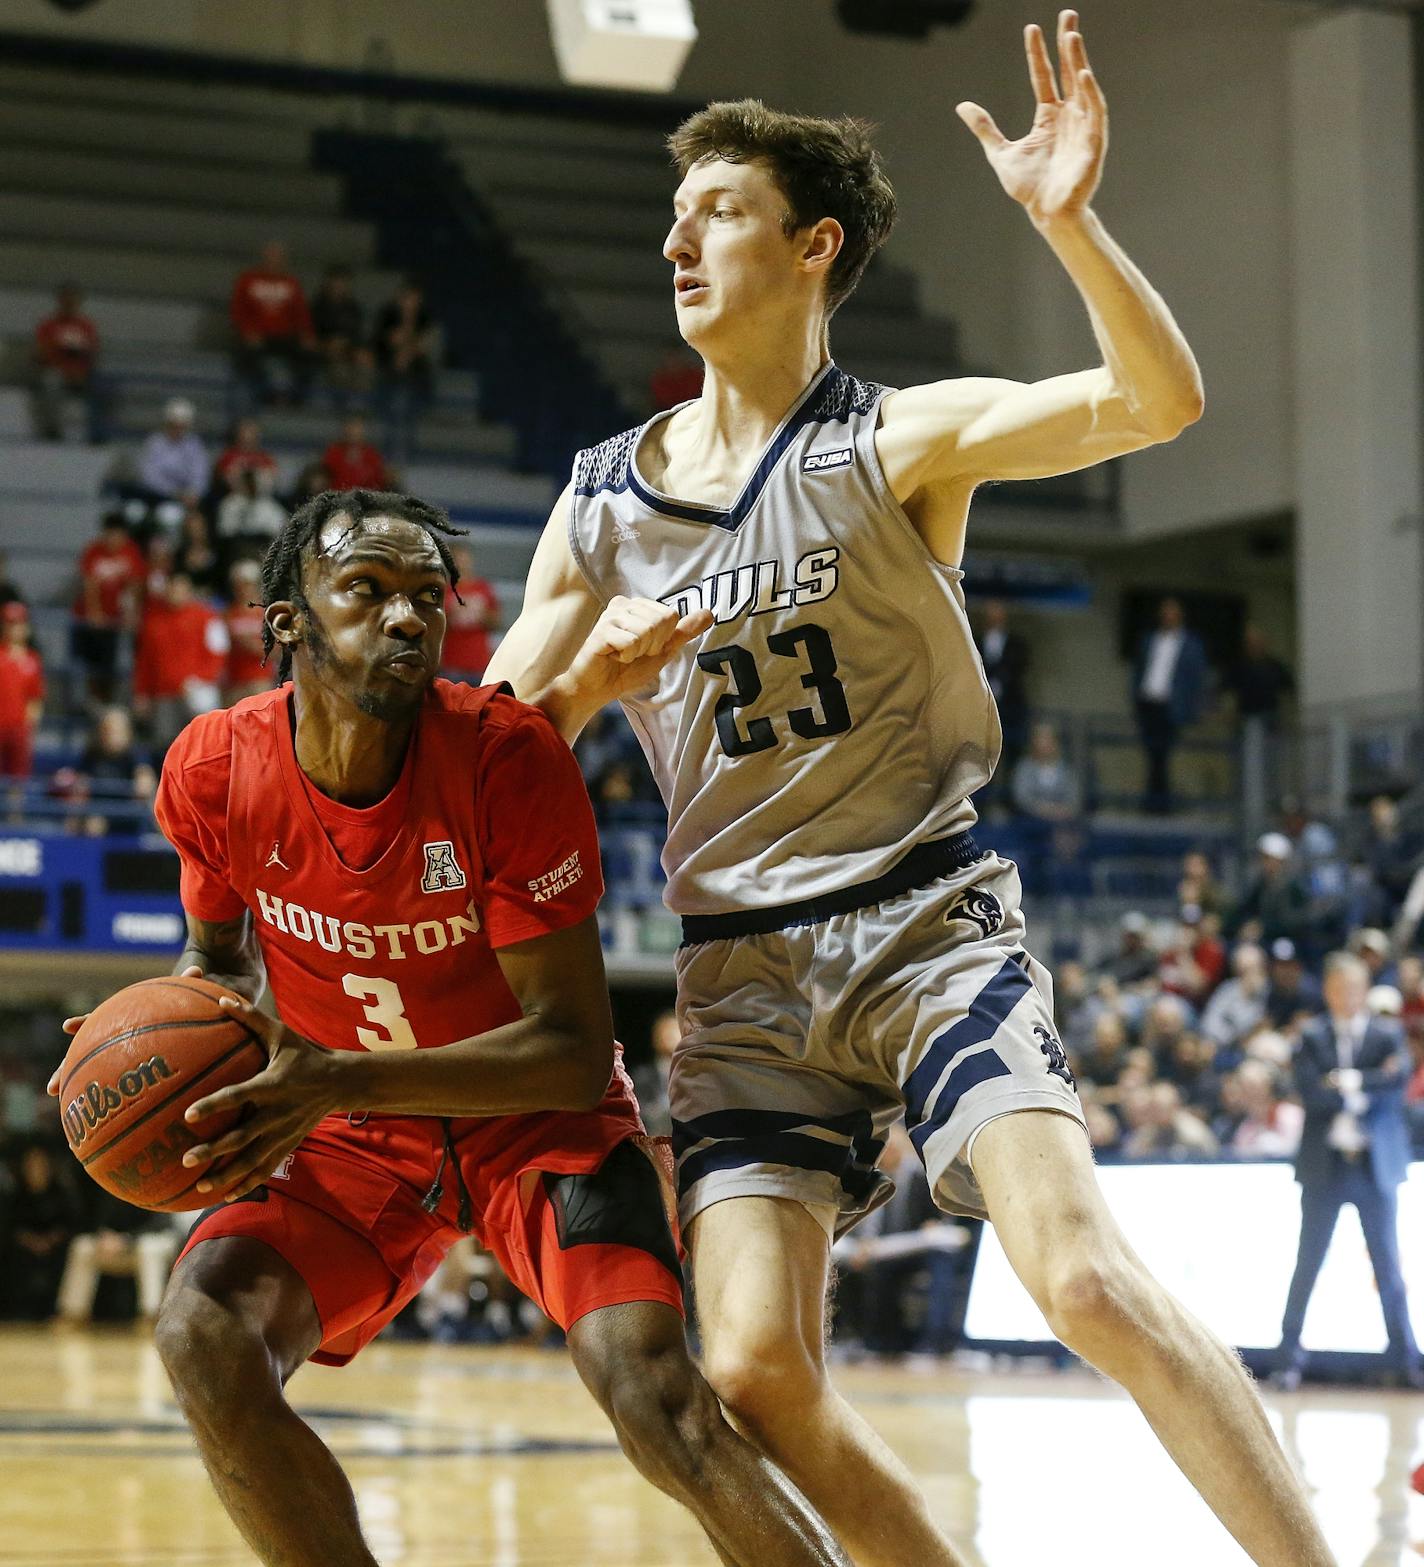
(298, 543)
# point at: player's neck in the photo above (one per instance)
(746, 394)
(349, 756)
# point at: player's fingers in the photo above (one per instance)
(1040, 67)
(981, 122)
(252, 1092)
(72, 1025)
(694, 625)
(191, 972)
(52, 1087)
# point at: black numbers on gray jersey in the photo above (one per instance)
(743, 686)
(811, 644)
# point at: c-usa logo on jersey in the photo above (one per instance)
(442, 873)
(978, 908)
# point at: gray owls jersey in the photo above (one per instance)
(836, 713)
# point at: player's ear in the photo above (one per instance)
(822, 245)
(284, 621)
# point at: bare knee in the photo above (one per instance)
(1104, 1308)
(766, 1385)
(213, 1354)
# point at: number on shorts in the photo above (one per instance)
(385, 1008)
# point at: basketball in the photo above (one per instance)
(132, 1070)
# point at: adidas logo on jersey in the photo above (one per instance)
(819, 462)
(624, 532)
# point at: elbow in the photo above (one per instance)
(590, 1070)
(1168, 417)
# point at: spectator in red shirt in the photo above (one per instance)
(66, 355)
(21, 693)
(182, 653)
(111, 574)
(244, 454)
(271, 322)
(677, 379)
(467, 624)
(246, 673)
(352, 463)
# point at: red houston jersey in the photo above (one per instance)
(488, 840)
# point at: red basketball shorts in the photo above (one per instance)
(576, 1208)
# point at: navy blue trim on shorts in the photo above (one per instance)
(780, 1137)
(924, 863)
(986, 1014)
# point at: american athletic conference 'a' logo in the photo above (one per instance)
(1057, 1056)
(442, 873)
(981, 909)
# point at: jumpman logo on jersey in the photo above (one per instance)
(275, 858)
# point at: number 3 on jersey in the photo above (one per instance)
(738, 668)
(384, 1008)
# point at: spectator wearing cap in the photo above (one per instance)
(66, 361)
(173, 466)
(21, 693)
(1168, 688)
(182, 653)
(111, 573)
(1274, 904)
(1373, 949)
(1294, 992)
(1351, 1069)
(471, 611)
(352, 462)
(272, 325)
(246, 672)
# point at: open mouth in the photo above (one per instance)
(689, 288)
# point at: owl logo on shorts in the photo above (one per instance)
(1057, 1056)
(981, 909)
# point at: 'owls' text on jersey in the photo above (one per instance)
(836, 712)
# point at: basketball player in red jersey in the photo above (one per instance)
(415, 865)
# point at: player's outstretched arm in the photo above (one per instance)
(1148, 388)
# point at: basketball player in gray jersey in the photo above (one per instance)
(768, 578)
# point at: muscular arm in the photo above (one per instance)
(557, 1056)
(226, 952)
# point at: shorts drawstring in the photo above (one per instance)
(433, 1198)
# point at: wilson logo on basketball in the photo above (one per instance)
(90, 1109)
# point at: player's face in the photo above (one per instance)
(736, 270)
(376, 596)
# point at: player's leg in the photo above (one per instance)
(634, 1360)
(236, 1322)
(1035, 1169)
(760, 1268)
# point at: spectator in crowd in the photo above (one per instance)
(677, 379)
(244, 453)
(1160, 1126)
(1294, 993)
(159, 556)
(1044, 786)
(66, 360)
(182, 653)
(1373, 949)
(651, 1078)
(195, 555)
(173, 465)
(246, 673)
(1260, 682)
(1275, 903)
(352, 462)
(1392, 852)
(42, 1222)
(1135, 960)
(1238, 1005)
(405, 363)
(1199, 887)
(1168, 688)
(272, 325)
(339, 327)
(1005, 656)
(471, 611)
(119, 1240)
(1104, 1132)
(1189, 1063)
(312, 481)
(10, 591)
(1410, 977)
(1106, 1051)
(21, 693)
(111, 573)
(1351, 1071)
(111, 772)
(251, 516)
(1326, 882)
(1268, 1125)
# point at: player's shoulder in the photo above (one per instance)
(205, 747)
(490, 712)
(842, 397)
(605, 467)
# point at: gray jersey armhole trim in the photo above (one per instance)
(576, 548)
(882, 486)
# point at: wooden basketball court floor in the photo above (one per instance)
(497, 1458)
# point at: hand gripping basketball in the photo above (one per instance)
(283, 1103)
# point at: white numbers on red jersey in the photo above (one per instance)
(385, 1008)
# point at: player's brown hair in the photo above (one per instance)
(824, 168)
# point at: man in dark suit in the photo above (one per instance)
(1005, 656)
(1168, 685)
(1351, 1069)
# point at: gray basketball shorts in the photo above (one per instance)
(802, 1047)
